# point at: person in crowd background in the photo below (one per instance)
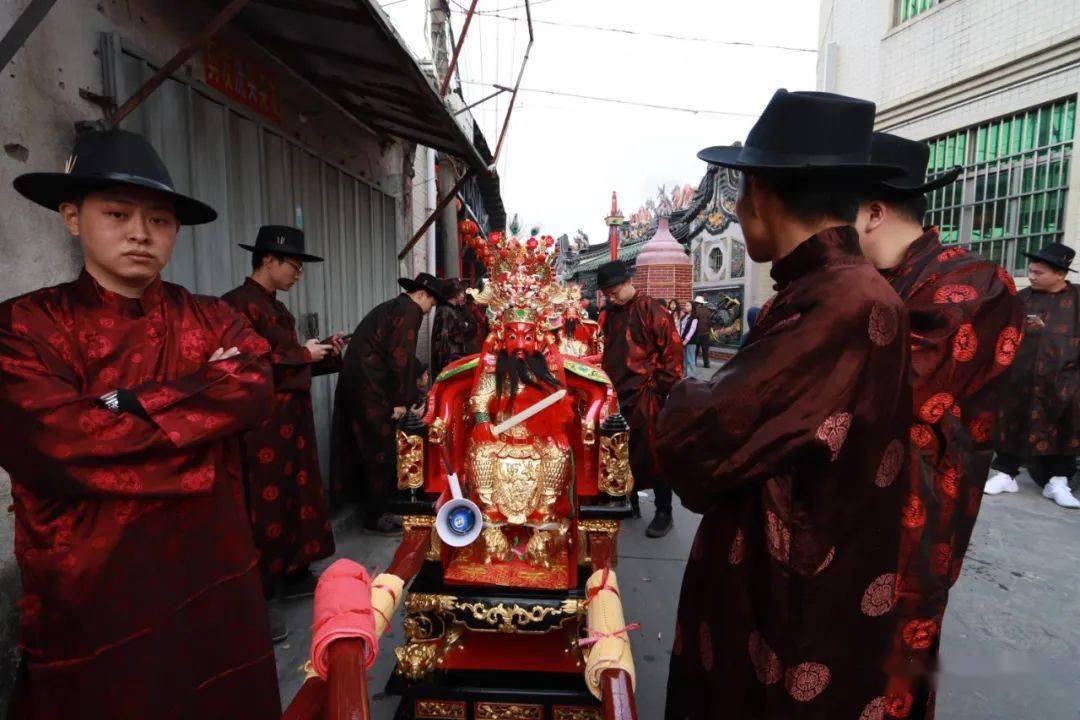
(1038, 424)
(643, 356)
(687, 323)
(454, 331)
(703, 338)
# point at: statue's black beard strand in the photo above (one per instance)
(570, 326)
(531, 370)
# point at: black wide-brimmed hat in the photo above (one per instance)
(813, 132)
(107, 158)
(425, 281)
(912, 156)
(1055, 255)
(281, 240)
(612, 273)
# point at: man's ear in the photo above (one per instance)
(877, 212)
(69, 214)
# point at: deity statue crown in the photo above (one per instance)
(523, 288)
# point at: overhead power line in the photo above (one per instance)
(642, 33)
(620, 101)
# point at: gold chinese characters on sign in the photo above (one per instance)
(615, 475)
(410, 461)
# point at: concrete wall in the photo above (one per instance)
(958, 64)
(41, 103)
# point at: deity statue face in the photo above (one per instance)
(520, 339)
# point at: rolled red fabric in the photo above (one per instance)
(342, 610)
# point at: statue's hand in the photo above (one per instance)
(482, 433)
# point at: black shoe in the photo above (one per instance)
(386, 525)
(635, 505)
(299, 583)
(278, 629)
(660, 525)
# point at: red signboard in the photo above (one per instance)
(242, 79)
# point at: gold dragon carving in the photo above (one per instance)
(615, 475)
(410, 461)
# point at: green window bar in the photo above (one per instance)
(1011, 196)
(910, 8)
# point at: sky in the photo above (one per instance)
(565, 155)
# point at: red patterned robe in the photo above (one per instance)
(377, 375)
(965, 322)
(141, 594)
(285, 491)
(1041, 413)
(792, 452)
(643, 356)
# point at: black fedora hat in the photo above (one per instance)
(426, 281)
(1055, 255)
(281, 240)
(912, 155)
(612, 273)
(107, 158)
(808, 132)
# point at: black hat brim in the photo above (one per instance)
(284, 253)
(50, 190)
(1043, 259)
(732, 156)
(946, 178)
(410, 285)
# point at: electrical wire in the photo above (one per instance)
(641, 33)
(618, 101)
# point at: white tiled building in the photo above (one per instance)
(993, 85)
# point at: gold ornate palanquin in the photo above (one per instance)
(510, 607)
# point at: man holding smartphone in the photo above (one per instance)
(286, 501)
(1037, 426)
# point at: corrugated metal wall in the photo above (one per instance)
(253, 176)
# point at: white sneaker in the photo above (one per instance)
(1000, 482)
(1058, 491)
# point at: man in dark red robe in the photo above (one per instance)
(122, 400)
(376, 385)
(478, 313)
(793, 449)
(964, 318)
(643, 356)
(454, 332)
(1039, 423)
(285, 493)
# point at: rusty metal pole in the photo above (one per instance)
(517, 85)
(209, 30)
(22, 28)
(435, 214)
(457, 50)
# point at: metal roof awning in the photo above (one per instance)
(349, 51)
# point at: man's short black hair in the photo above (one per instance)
(810, 197)
(257, 258)
(911, 207)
